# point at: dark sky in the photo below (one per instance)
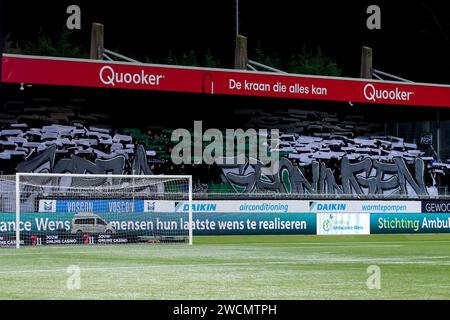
(414, 41)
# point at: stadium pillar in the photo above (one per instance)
(240, 54)
(2, 36)
(438, 134)
(97, 41)
(366, 63)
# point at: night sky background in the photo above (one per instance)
(414, 41)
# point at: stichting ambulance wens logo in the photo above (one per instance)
(328, 223)
(340, 218)
(343, 223)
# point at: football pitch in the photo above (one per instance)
(232, 267)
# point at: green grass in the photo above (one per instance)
(255, 267)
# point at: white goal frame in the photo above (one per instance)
(86, 175)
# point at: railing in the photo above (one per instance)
(203, 194)
(108, 53)
(298, 196)
(377, 74)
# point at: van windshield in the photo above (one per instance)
(85, 221)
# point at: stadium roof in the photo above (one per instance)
(123, 75)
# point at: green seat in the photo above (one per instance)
(220, 188)
(132, 131)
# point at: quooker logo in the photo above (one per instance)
(373, 94)
(110, 77)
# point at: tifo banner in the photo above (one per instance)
(409, 223)
(343, 224)
(211, 206)
(358, 206)
(436, 206)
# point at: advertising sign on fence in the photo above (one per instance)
(409, 223)
(123, 75)
(436, 206)
(68, 227)
(205, 206)
(343, 224)
(358, 206)
(245, 206)
(127, 218)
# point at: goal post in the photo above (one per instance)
(53, 208)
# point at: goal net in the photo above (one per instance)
(102, 209)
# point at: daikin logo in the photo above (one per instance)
(109, 76)
(371, 93)
(317, 206)
(196, 207)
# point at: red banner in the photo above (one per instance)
(87, 73)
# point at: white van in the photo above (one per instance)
(90, 223)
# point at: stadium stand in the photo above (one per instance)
(70, 131)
